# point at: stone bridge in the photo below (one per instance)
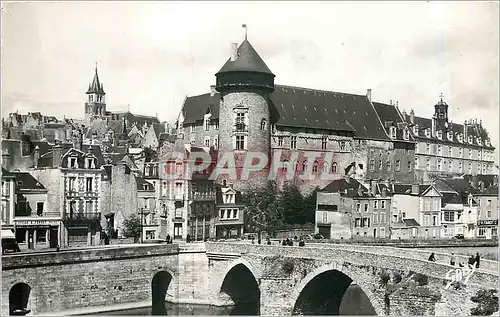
(252, 279)
(390, 281)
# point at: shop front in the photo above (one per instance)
(487, 228)
(34, 234)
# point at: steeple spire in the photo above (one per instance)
(96, 87)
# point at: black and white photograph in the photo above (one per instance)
(265, 158)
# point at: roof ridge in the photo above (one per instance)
(318, 90)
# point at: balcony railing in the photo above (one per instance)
(203, 196)
(83, 216)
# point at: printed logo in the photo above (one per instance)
(461, 274)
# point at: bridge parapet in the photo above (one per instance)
(486, 265)
(360, 258)
(122, 252)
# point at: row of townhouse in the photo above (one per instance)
(449, 207)
(188, 202)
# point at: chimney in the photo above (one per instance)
(369, 94)
(212, 90)
(465, 131)
(36, 156)
(433, 127)
(234, 51)
(57, 155)
(384, 191)
(412, 116)
(414, 189)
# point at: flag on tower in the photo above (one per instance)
(245, 27)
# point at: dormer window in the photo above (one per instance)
(91, 98)
(72, 162)
(469, 139)
(450, 136)
(488, 143)
(460, 137)
(90, 163)
(393, 132)
(427, 133)
(206, 123)
(406, 134)
(415, 129)
(193, 128)
(478, 140)
(440, 134)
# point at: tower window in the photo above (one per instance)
(315, 167)
(240, 142)
(304, 165)
(263, 124)
(342, 145)
(334, 167)
(240, 121)
(207, 125)
(323, 142)
(91, 98)
(280, 141)
(293, 142)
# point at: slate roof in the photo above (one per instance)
(158, 129)
(340, 185)
(450, 198)
(411, 222)
(307, 108)
(406, 189)
(248, 60)
(475, 130)
(26, 182)
(167, 137)
(141, 182)
(490, 191)
(390, 114)
(139, 120)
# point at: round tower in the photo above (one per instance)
(245, 83)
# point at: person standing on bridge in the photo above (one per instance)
(477, 260)
(432, 258)
(471, 261)
(452, 259)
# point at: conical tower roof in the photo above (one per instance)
(96, 87)
(248, 60)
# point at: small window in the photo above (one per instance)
(315, 167)
(240, 142)
(375, 204)
(293, 142)
(334, 167)
(324, 142)
(39, 208)
(304, 166)
(382, 204)
(193, 127)
(393, 132)
(342, 145)
(263, 124)
(398, 166)
(280, 141)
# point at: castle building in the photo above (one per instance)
(447, 148)
(313, 132)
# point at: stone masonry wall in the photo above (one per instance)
(85, 278)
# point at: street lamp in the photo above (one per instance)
(142, 226)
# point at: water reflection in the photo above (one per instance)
(187, 309)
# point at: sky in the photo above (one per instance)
(151, 55)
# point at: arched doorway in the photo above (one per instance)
(18, 299)
(241, 286)
(159, 287)
(332, 293)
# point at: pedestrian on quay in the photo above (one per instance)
(432, 257)
(477, 260)
(452, 259)
(290, 242)
(188, 238)
(268, 241)
(284, 242)
(301, 243)
(471, 261)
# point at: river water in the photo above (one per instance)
(184, 309)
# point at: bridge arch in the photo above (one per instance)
(160, 284)
(239, 286)
(19, 298)
(339, 272)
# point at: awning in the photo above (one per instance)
(8, 233)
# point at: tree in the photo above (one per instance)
(487, 302)
(292, 203)
(262, 209)
(132, 228)
(310, 206)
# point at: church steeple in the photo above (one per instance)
(95, 107)
(441, 110)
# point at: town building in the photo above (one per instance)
(335, 208)
(487, 214)
(447, 148)
(8, 200)
(148, 213)
(416, 212)
(229, 219)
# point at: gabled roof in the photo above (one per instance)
(248, 60)
(218, 195)
(390, 114)
(143, 185)
(195, 107)
(340, 185)
(406, 189)
(26, 182)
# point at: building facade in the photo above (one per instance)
(487, 215)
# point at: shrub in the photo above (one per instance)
(288, 266)
(487, 303)
(421, 279)
(384, 277)
(396, 278)
(132, 228)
